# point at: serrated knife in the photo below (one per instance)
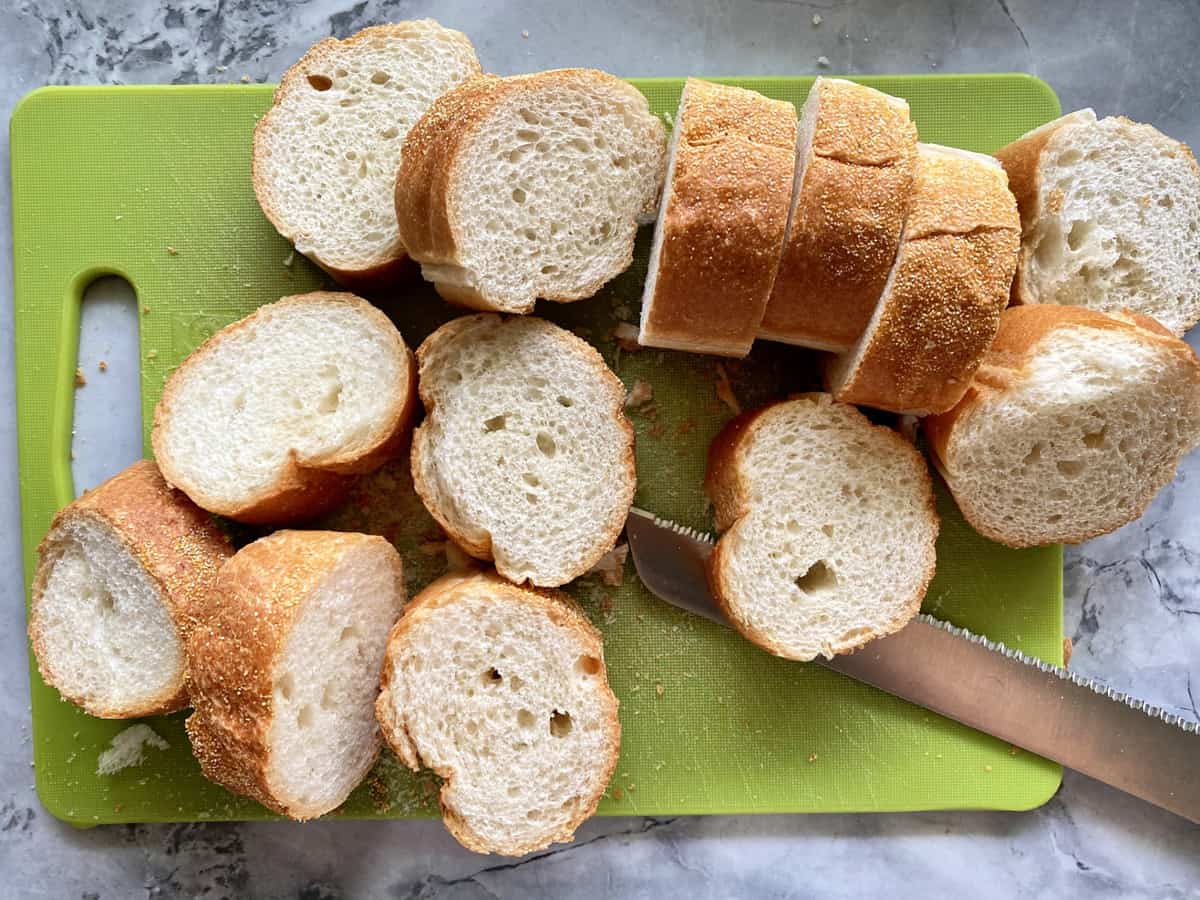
(1068, 718)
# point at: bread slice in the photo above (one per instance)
(855, 163)
(1074, 423)
(117, 579)
(525, 456)
(531, 186)
(285, 660)
(326, 152)
(724, 211)
(829, 527)
(941, 304)
(266, 420)
(502, 691)
(1110, 211)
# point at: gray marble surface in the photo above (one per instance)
(1132, 598)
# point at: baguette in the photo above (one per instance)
(268, 419)
(855, 162)
(721, 225)
(511, 189)
(525, 456)
(285, 660)
(828, 527)
(119, 576)
(502, 691)
(942, 302)
(1074, 423)
(1110, 210)
(326, 152)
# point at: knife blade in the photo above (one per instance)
(1073, 720)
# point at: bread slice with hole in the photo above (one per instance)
(1073, 424)
(326, 152)
(530, 186)
(502, 691)
(268, 419)
(855, 162)
(721, 225)
(828, 527)
(1110, 214)
(525, 456)
(118, 577)
(285, 660)
(941, 304)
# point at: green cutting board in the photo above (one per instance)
(153, 184)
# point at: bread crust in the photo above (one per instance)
(945, 294)
(726, 485)
(1022, 329)
(430, 165)
(371, 272)
(1022, 160)
(562, 611)
(846, 218)
(472, 538)
(175, 542)
(302, 490)
(723, 220)
(240, 633)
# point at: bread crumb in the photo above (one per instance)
(145, 310)
(626, 337)
(125, 749)
(618, 793)
(639, 395)
(611, 566)
(657, 430)
(172, 251)
(817, 20)
(725, 390)
(1013, 751)
(525, 34)
(823, 62)
(1068, 649)
(289, 259)
(222, 68)
(658, 688)
(686, 427)
(80, 381)
(117, 218)
(987, 768)
(102, 366)
(152, 354)
(246, 79)
(812, 757)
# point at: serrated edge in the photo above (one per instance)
(694, 534)
(1092, 684)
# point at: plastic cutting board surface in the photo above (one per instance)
(153, 184)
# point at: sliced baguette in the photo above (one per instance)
(721, 224)
(502, 691)
(525, 456)
(511, 189)
(266, 420)
(1110, 214)
(326, 152)
(1073, 424)
(829, 527)
(942, 302)
(855, 162)
(119, 576)
(285, 660)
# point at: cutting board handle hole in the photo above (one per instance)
(107, 424)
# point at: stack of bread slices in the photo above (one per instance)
(835, 230)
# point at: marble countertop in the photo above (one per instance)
(1132, 598)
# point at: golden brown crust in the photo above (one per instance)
(726, 485)
(239, 635)
(846, 218)
(384, 269)
(478, 543)
(563, 612)
(301, 490)
(724, 215)
(947, 290)
(425, 198)
(175, 542)
(1022, 161)
(1022, 329)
